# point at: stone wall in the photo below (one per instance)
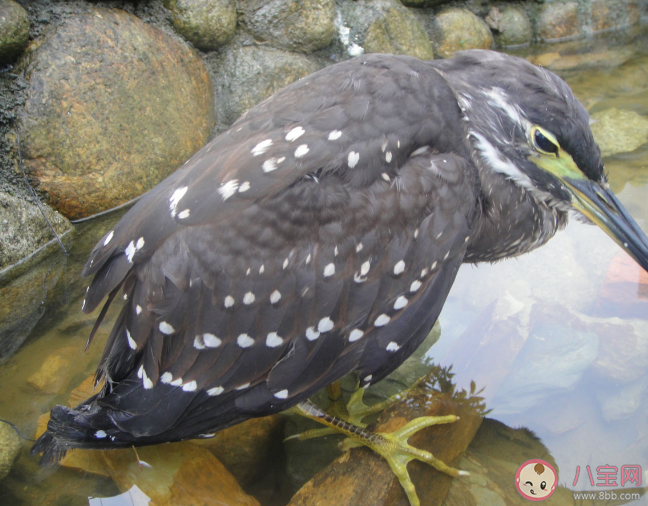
(109, 97)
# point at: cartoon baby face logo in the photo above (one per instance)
(536, 480)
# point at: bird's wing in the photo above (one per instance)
(264, 269)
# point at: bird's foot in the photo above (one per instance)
(393, 446)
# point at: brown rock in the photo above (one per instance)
(612, 14)
(180, 475)
(52, 377)
(558, 20)
(456, 29)
(113, 106)
(362, 478)
(248, 450)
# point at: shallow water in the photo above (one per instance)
(558, 345)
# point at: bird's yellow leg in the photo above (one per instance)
(393, 447)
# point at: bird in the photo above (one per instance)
(320, 235)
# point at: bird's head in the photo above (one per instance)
(525, 123)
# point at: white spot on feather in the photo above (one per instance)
(211, 341)
(166, 328)
(131, 341)
(269, 165)
(301, 151)
(262, 147)
(245, 186)
(108, 238)
(388, 156)
(359, 247)
(352, 159)
(100, 434)
(312, 334)
(334, 135)
(382, 320)
(166, 378)
(184, 214)
(399, 267)
(176, 383)
(175, 198)
(244, 341)
(130, 251)
(273, 340)
(248, 298)
(392, 346)
(325, 325)
(148, 384)
(190, 387)
(215, 391)
(229, 301)
(243, 386)
(295, 134)
(329, 270)
(228, 189)
(282, 394)
(400, 303)
(415, 286)
(275, 297)
(355, 335)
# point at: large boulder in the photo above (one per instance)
(112, 107)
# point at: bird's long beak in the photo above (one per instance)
(600, 205)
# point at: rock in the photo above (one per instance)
(23, 229)
(558, 20)
(296, 25)
(362, 478)
(248, 450)
(423, 3)
(385, 26)
(112, 107)
(612, 14)
(455, 29)
(624, 292)
(552, 360)
(617, 130)
(207, 24)
(621, 402)
(511, 26)
(52, 377)
(249, 74)
(492, 460)
(14, 30)
(184, 474)
(9, 448)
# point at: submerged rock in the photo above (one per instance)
(207, 24)
(296, 25)
(558, 20)
(52, 376)
(9, 448)
(112, 107)
(14, 30)
(511, 26)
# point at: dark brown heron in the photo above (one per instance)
(321, 234)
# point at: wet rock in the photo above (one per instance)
(14, 30)
(248, 450)
(52, 377)
(385, 26)
(183, 474)
(511, 26)
(618, 130)
(250, 74)
(23, 229)
(113, 106)
(621, 402)
(609, 15)
(9, 448)
(207, 24)
(455, 29)
(305, 458)
(492, 459)
(623, 350)
(362, 478)
(558, 20)
(423, 3)
(296, 25)
(552, 360)
(624, 292)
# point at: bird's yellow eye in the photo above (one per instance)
(544, 142)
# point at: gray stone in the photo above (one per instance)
(382, 26)
(455, 29)
(14, 30)
(207, 24)
(511, 26)
(9, 448)
(23, 228)
(297, 25)
(113, 106)
(558, 20)
(251, 74)
(619, 130)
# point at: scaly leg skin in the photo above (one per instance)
(353, 411)
(393, 447)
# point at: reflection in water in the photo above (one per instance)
(132, 497)
(558, 340)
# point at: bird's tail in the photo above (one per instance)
(85, 426)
